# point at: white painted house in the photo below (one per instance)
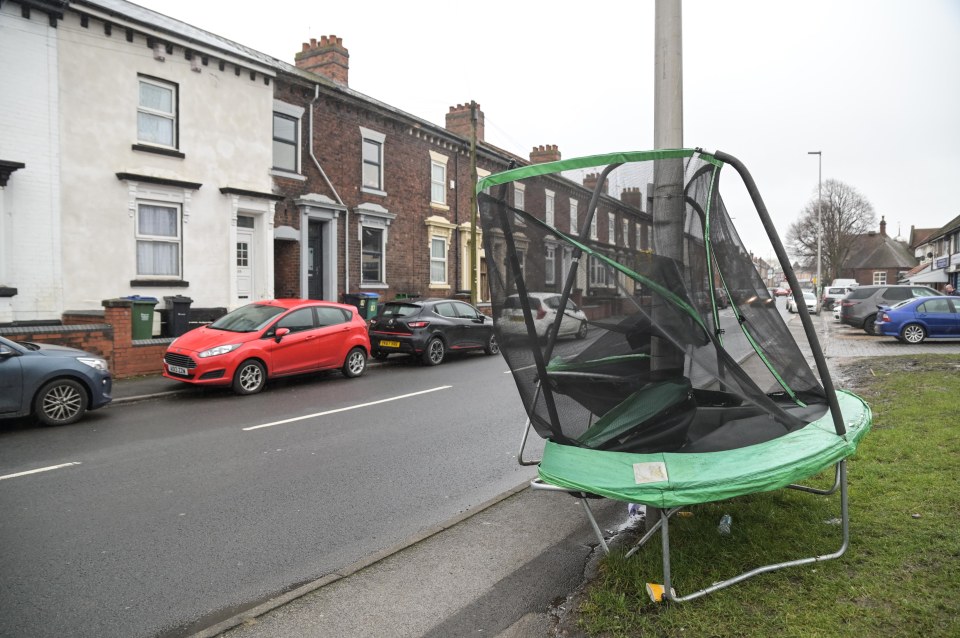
(155, 162)
(30, 230)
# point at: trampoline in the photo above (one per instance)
(686, 385)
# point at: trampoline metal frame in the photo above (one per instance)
(663, 526)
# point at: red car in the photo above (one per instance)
(268, 339)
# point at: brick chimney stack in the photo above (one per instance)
(590, 182)
(883, 226)
(458, 121)
(328, 58)
(632, 196)
(542, 154)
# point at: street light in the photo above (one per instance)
(819, 155)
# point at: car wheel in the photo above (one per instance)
(913, 333)
(434, 352)
(250, 377)
(582, 331)
(492, 347)
(60, 402)
(869, 325)
(355, 364)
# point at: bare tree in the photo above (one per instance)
(845, 213)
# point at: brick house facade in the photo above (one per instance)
(353, 195)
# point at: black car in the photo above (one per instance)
(54, 383)
(859, 307)
(430, 328)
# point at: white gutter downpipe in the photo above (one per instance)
(336, 195)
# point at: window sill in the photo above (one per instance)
(438, 206)
(434, 286)
(373, 191)
(159, 283)
(376, 286)
(279, 172)
(169, 152)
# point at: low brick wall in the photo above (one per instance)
(92, 337)
(109, 338)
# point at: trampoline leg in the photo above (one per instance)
(593, 523)
(668, 592)
(814, 490)
(671, 596)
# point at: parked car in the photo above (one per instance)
(781, 292)
(55, 384)
(809, 299)
(916, 320)
(430, 328)
(269, 339)
(544, 306)
(833, 294)
(859, 307)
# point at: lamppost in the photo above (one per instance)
(819, 155)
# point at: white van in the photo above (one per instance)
(844, 283)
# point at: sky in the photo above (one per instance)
(872, 84)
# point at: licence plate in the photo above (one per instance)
(517, 318)
(389, 344)
(177, 370)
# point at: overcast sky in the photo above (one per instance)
(873, 84)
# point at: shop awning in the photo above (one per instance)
(938, 276)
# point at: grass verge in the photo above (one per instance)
(901, 574)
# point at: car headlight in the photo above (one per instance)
(212, 352)
(94, 362)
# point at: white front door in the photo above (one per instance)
(245, 259)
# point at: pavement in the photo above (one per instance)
(505, 568)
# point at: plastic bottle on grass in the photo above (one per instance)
(726, 522)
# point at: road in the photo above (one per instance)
(175, 513)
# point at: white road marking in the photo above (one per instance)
(352, 407)
(41, 469)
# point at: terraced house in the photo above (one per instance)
(141, 156)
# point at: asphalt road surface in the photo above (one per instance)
(165, 516)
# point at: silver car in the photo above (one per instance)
(809, 300)
(544, 306)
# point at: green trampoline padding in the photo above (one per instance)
(711, 476)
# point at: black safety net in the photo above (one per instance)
(632, 317)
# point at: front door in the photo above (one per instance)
(244, 257)
(315, 260)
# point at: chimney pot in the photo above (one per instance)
(328, 58)
(458, 121)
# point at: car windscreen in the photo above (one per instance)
(399, 309)
(247, 319)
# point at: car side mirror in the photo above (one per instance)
(6, 352)
(281, 333)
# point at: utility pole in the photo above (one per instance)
(819, 155)
(668, 174)
(473, 204)
(668, 205)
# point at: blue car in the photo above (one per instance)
(915, 320)
(54, 383)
